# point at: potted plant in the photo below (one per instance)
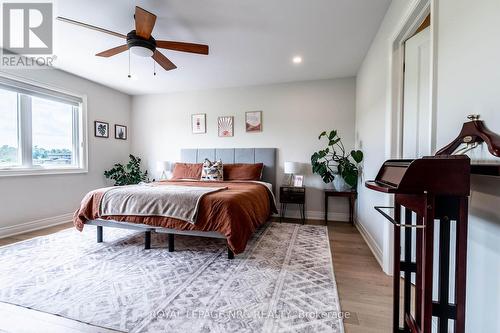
(128, 174)
(335, 160)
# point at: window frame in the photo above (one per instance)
(79, 135)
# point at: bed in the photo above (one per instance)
(233, 213)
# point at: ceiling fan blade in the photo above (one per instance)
(144, 22)
(113, 51)
(163, 61)
(183, 47)
(89, 26)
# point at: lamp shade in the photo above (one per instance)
(292, 167)
(162, 166)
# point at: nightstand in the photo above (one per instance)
(349, 194)
(292, 195)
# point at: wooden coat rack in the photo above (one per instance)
(427, 190)
(472, 134)
(435, 191)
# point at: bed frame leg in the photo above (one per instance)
(99, 234)
(147, 240)
(171, 246)
(230, 254)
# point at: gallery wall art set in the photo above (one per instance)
(101, 130)
(225, 124)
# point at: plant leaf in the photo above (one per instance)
(351, 179)
(332, 135)
(332, 142)
(324, 161)
(357, 155)
(127, 175)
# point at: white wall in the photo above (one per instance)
(293, 116)
(371, 129)
(468, 82)
(468, 78)
(26, 199)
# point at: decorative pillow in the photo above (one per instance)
(187, 171)
(241, 171)
(212, 171)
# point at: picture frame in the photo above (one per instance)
(101, 129)
(199, 123)
(298, 181)
(225, 126)
(253, 121)
(120, 132)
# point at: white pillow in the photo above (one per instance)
(212, 171)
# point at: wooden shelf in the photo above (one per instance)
(485, 169)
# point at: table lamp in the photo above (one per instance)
(164, 168)
(291, 168)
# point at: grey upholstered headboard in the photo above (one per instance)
(237, 155)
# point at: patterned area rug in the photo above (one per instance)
(283, 282)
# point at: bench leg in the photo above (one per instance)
(171, 246)
(230, 254)
(99, 234)
(147, 240)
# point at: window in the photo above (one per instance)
(40, 130)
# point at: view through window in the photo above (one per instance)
(52, 132)
(9, 139)
(39, 130)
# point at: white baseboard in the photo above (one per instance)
(34, 225)
(377, 252)
(317, 215)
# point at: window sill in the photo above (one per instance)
(15, 172)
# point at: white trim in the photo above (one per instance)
(372, 244)
(35, 225)
(407, 26)
(15, 172)
(415, 14)
(317, 215)
(84, 140)
(41, 84)
(434, 74)
(25, 126)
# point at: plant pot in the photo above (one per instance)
(340, 185)
(328, 186)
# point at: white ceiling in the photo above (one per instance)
(251, 42)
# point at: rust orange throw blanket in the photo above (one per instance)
(235, 213)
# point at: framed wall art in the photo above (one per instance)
(253, 121)
(199, 123)
(225, 126)
(101, 129)
(120, 132)
(298, 180)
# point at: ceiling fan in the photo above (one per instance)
(140, 41)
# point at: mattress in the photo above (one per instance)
(235, 212)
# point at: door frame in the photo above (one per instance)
(416, 13)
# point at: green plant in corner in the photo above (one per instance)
(334, 156)
(128, 174)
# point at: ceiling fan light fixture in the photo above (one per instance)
(142, 51)
(297, 60)
(139, 46)
(141, 43)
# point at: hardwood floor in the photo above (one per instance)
(365, 291)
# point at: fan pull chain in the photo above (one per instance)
(154, 67)
(129, 75)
